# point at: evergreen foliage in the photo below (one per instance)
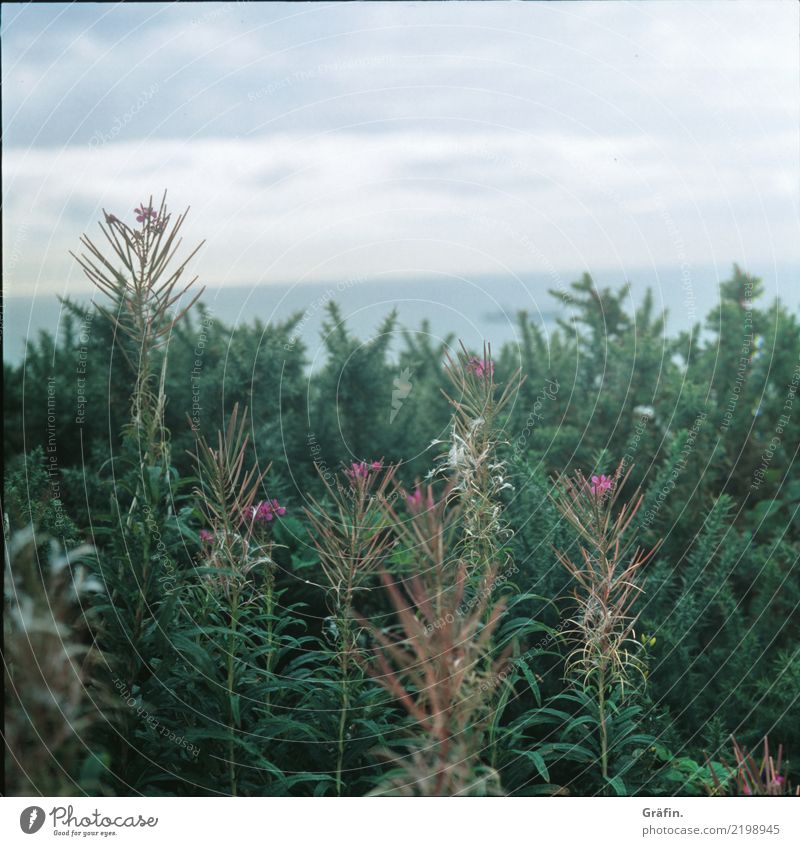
(200, 671)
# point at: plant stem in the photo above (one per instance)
(231, 649)
(601, 708)
(344, 666)
(270, 607)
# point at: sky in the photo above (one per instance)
(326, 141)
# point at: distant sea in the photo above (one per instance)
(472, 309)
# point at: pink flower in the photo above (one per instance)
(144, 213)
(358, 470)
(206, 536)
(263, 513)
(417, 503)
(414, 500)
(483, 368)
(600, 484)
(362, 469)
(267, 510)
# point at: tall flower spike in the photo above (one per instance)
(478, 474)
(436, 666)
(145, 305)
(352, 541)
(428, 532)
(227, 494)
(147, 289)
(240, 548)
(606, 586)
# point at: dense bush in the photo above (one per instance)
(271, 657)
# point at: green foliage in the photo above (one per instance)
(710, 421)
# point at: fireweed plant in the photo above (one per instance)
(751, 777)
(140, 273)
(252, 672)
(473, 463)
(437, 661)
(143, 288)
(352, 539)
(607, 581)
(435, 665)
(426, 527)
(237, 557)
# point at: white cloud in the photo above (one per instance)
(323, 141)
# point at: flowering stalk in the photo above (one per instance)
(429, 529)
(437, 666)
(438, 663)
(235, 545)
(478, 474)
(352, 542)
(605, 586)
(142, 296)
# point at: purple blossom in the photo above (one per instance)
(600, 484)
(267, 510)
(144, 213)
(414, 500)
(483, 368)
(357, 470)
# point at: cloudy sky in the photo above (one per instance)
(320, 141)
